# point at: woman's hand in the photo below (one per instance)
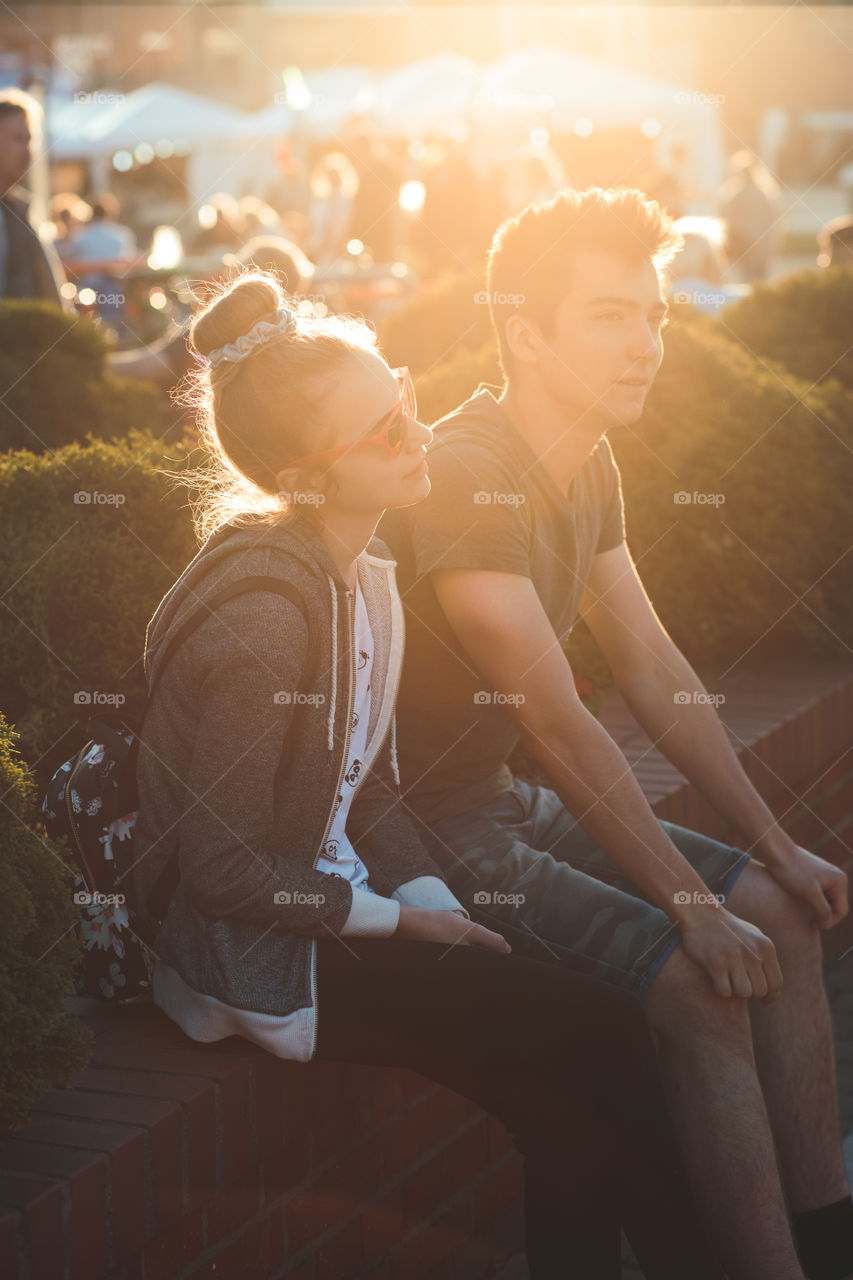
(424, 925)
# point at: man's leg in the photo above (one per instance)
(713, 1091)
(794, 1045)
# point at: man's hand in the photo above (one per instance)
(738, 958)
(819, 884)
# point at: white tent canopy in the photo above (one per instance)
(107, 122)
(428, 96)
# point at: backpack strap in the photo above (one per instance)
(168, 879)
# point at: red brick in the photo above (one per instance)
(233, 1209)
(241, 1260)
(315, 1212)
(172, 1250)
(421, 1254)
(461, 1161)
(424, 1127)
(40, 1204)
(382, 1223)
(196, 1095)
(502, 1185)
(162, 1123)
(341, 1257)
(236, 1131)
(9, 1244)
(86, 1174)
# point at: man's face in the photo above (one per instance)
(606, 330)
(15, 156)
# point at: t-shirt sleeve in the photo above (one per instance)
(612, 502)
(473, 517)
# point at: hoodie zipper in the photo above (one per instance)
(348, 722)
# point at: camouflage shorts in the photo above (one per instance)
(524, 867)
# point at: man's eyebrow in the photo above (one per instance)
(626, 302)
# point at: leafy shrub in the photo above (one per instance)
(55, 383)
(40, 1046)
(804, 320)
(444, 318)
(81, 580)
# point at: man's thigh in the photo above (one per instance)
(525, 867)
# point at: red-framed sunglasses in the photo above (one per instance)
(392, 431)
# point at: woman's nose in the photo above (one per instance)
(422, 434)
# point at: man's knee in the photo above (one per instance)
(681, 1004)
(786, 920)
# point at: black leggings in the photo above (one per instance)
(566, 1063)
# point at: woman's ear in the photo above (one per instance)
(296, 485)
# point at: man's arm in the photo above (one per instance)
(499, 620)
(669, 701)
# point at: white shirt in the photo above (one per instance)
(339, 856)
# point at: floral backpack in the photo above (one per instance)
(93, 801)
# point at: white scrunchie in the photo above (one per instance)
(256, 337)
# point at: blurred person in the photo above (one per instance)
(523, 531)
(376, 213)
(697, 272)
(334, 184)
(102, 238)
(222, 226)
(307, 915)
(835, 242)
(257, 218)
(750, 204)
(29, 265)
(68, 213)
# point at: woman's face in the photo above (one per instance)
(356, 405)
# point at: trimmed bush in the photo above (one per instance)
(804, 320)
(80, 580)
(55, 382)
(444, 318)
(41, 1047)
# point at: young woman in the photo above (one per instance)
(308, 916)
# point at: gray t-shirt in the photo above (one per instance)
(492, 505)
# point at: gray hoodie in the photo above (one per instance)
(240, 765)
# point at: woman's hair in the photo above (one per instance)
(257, 414)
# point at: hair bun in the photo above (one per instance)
(239, 307)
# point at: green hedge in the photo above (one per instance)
(80, 581)
(804, 320)
(447, 317)
(55, 383)
(40, 1046)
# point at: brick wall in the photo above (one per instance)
(176, 1161)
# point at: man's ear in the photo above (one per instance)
(523, 339)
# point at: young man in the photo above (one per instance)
(523, 528)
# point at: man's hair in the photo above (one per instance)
(12, 99)
(532, 255)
